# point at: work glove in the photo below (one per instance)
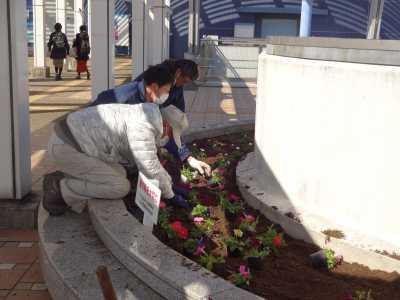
(178, 200)
(200, 166)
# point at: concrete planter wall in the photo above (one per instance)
(328, 131)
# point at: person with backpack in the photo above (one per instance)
(82, 50)
(58, 48)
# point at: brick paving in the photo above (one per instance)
(20, 274)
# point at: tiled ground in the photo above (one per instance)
(20, 275)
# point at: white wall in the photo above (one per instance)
(330, 133)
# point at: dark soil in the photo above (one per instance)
(289, 274)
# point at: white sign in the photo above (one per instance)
(148, 199)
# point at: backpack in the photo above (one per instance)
(85, 47)
(59, 40)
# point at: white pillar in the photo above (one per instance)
(15, 168)
(60, 13)
(78, 14)
(139, 43)
(39, 40)
(194, 27)
(306, 18)
(375, 19)
(102, 32)
(158, 33)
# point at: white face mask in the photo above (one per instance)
(161, 100)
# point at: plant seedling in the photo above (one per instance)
(190, 246)
(207, 227)
(248, 223)
(193, 199)
(243, 277)
(209, 260)
(272, 239)
(163, 221)
(216, 178)
(198, 154)
(231, 207)
(235, 246)
(188, 173)
(200, 211)
(325, 259)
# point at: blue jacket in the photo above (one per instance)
(134, 93)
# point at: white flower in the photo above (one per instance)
(237, 148)
(202, 150)
(250, 144)
(194, 144)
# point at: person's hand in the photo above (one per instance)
(179, 201)
(167, 130)
(200, 166)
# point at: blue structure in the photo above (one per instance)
(330, 18)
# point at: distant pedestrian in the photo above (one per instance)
(59, 48)
(82, 50)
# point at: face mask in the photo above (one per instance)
(161, 100)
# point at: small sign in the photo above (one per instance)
(148, 199)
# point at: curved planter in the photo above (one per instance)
(271, 202)
(162, 268)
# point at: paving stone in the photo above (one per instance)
(29, 295)
(14, 235)
(25, 245)
(34, 274)
(9, 278)
(6, 266)
(18, 255)
(23, 286)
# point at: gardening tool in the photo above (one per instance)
(105, 283)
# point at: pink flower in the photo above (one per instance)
(234, 197)
(200, 250)
(162, 204)
(244, 271)
(198, 220)
(221, 171)
(247, 218)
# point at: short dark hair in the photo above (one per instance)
(158, 74)
(57, 27)
(83, 28)
(188, 67)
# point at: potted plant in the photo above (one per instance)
(255, 257)
(216, 180)
(242, 278)
(325, 259)
(213, 263)
(231, 208)
(248, 223)
(235, 246)
(200, 211)
(189, 247)
(272, 239)
(187, 175)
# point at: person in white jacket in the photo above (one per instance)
(90, 146)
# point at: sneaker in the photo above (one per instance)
(53, 201)
(88, 76)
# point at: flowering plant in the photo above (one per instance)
(208, 260)
(232, 207)
(234, 198)
(200, 211)
(243, 277)
(163, 221)
(206, 227)
(190, 245)
(248, 223)
(255, 252)
(272, 239)
(180, 230)
(234, 244)
(187, 173)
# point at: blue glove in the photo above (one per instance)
(181, 191)
(182, 153)
(179, 201)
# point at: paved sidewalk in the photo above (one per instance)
(20, 275)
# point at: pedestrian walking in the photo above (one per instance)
(81, 48)
(58, 48)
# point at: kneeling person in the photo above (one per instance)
(88, 147)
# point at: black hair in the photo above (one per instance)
(158, 74)
(188, 67)
(83, 28)
(57, 26)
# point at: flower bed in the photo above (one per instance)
(226, 236)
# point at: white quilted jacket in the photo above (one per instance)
(119, 133)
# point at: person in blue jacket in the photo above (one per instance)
(184, 72)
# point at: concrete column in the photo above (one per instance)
(60, 13)
(102, 16)
(40, 68)
(375, 19)
(15, 168)
(78, 14)
(194, 27)
(158, 31)
(306, 18)
(139, 44)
